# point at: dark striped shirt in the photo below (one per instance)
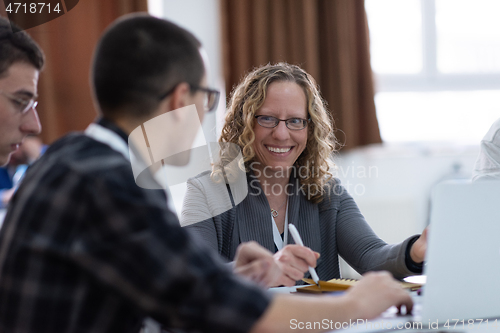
(84, 249)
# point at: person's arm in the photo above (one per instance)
(135, 247)
(369, 298)
(372, 295)
(359, 245)
(197, 214)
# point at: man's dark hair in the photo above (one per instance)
(138, 60)
(17, 46)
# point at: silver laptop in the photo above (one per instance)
(463, 255)
(462, 268)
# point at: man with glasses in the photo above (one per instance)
(21, 61)
(84, 249)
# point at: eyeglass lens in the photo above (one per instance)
(211, 100)
(22, 104)
(292, 123)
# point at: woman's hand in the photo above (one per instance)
(294, 261)
(418, 249)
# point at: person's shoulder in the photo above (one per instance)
(79, 155)
(215, 189)
(333, 181)
(493, 134)
(82, 153)
(88, 163)
(201, 176)
(209, 179)
(334, 187)
(333, 191)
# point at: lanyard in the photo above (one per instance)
(278, 241)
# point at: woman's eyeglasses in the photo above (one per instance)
(294, 124)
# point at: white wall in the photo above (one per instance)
(200, 17)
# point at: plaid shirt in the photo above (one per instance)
(84, 249)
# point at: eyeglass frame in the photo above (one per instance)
(197, 88)
(26, 105)
(304, 121)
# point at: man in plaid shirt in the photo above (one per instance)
(84, 249)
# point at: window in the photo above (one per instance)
(437, 68)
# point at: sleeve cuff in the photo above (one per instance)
(410, 264)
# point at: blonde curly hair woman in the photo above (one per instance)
(248, 98)
(279, 121)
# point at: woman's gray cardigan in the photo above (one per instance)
(333, 227)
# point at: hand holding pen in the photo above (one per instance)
(298, 240)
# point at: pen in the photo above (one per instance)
(298, 240)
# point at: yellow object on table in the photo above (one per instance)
(341, 284)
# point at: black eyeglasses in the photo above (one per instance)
(294, 124)
(23, 105)
(211, 98)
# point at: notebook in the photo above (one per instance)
(341, 284)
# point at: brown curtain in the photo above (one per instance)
(328, 38)
(68, 42)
